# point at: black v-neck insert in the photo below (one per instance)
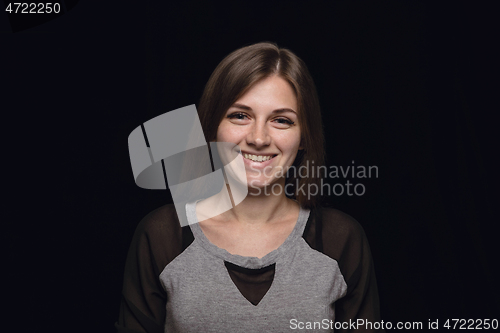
(253, 284)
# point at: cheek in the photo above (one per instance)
(290, 142)
(221, 132)
(228, 133)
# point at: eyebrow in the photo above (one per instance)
(245, 107)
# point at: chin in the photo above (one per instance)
(254, 183)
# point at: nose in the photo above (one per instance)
(258, 136)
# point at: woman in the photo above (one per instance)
(274, 262)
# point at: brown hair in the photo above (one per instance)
(239, 71)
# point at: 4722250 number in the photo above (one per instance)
(33, 8)
(471, 324)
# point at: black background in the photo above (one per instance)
(408, 86)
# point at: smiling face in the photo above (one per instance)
(264, 123)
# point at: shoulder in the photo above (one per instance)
(340, 225)
(160, 234)
(342, 237)
(161, 219)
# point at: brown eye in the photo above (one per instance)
(283, 122)
(237, 115)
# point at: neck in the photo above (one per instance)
(262, 206)
(259, 207)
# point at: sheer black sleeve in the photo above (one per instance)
(156, 242)
(342, 238)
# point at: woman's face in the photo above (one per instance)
(264, 124)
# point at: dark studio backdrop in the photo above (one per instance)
(407, 86)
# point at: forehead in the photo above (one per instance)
(270, 93)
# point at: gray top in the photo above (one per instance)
(175, 280)
(203, 298)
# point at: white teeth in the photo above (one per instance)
(257, 158)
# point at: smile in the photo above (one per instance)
(258, 158)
